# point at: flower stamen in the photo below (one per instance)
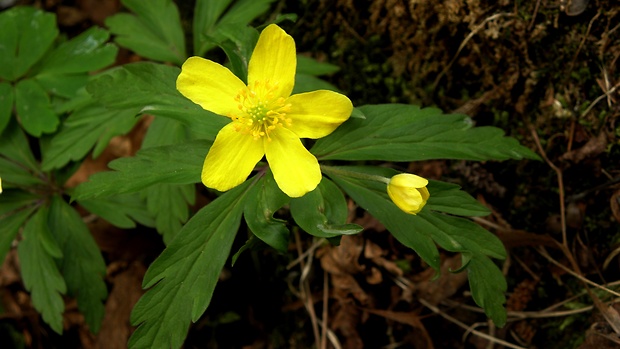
(260, 112)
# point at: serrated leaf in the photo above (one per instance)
(154, 31)
(209, 18)
(308, 83)
(34, 109)
(26, 35)
(238, 44)
(174, 164)
(66, 86)
(88, 127)
(122, 211)
(82, 54)
(10, 227)
(265, 199)
(152, 88)
(168, 203)
(323, 212)
(11, 200)
(418, 232)
(309, 66)
(83, 267)
(14, 145)
(6, 104)
(39, 271)
(394, 132)
(184, 276)
(488, 286)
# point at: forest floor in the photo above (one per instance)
(547, 74)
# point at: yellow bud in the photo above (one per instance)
(0, 185)
(408, 192)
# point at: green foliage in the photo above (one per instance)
(215, 20)
(82, 266)
(154, 31)
(258, 213)
(183, 277)
(323, 212)
(394, 132)
(91, 126)
(420, 232)
(177, 164)
(39, 71)
(152, 89)
(38, 253)
(122, 211)
(27, 33)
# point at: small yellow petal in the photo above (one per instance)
(408, 192)
(274, 61)
(295, 170)
(210, 85)
(231, 159)
(317, 114)
(0, 185)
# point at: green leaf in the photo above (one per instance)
(323, 212)
(449, 198)
(6, 104)
(34, 109)
(121, 211)
(27, 33)
(12, 200)
(420, 231)
(308, 83)
(152, 88)
(66, 86)
(488, 286)
(175, 164)
(209, 19)
(310, 66)
(168, 203)
(14, 145)
(37, 254)
(155, 31)
(10, 227)
(265, 199)
(84, 53)
(394, 132)
(238, 45)
(88, 127)
(82, 266)
(184, 276)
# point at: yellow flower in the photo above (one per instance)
(408, 192)
(266, 119)
(0, 185)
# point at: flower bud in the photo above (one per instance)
(408, 192)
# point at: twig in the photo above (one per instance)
(544, 253)
(455, 321)
(304, 287)
(599, 98)
(560, 187)
(585, 36)
(465, 41)
(324, 316)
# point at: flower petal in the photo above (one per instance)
(274, 59)
(317, 114)
(295, 170)
(231, 159)
(210, 85)
(409, 180)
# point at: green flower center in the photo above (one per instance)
(261, 111)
